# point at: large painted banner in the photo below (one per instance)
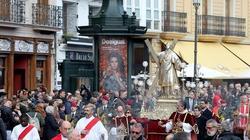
(112, 64)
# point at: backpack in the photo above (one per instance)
(34, 121)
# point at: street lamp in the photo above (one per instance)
(196, 4)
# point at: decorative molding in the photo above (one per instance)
(42, 47)
(5, 45)
(23, 46)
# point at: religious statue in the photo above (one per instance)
(168, 63)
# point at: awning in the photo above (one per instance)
(213, 56)
(240, 51)
(204, 72)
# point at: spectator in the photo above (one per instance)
(8, 118)
(227, 129)
(205, 111)
(136, 132)
(212, 130)
(190, 101)
(3, 134)
(200, 121)
(182, 136)
(51, 126)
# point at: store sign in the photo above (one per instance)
(83, 56)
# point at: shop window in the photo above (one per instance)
(40, 70)
(2, 72)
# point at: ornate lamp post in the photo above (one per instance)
(196, 4)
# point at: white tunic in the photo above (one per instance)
(95, 132)
(32, 135)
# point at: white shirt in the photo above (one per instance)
(95, 132)
(32, 135)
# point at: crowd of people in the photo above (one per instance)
(209, 113)
(212, 113)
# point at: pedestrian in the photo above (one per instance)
(65, 129)
(25, 131)
(89, 127)
(227, 128)
(136, 132)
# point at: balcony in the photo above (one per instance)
(211, 28)
(12, 13)
(174, 24)
(46, 17)
(214, 28)
(234, 29)
(235, 26)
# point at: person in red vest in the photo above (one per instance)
(241, 121)
(89, 127)
(180, 120)
(65, 128)
(25, 131)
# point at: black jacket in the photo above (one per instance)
(201, 121)
(3, 134)
(207, 114)
(228, 136)
(129, 138)
(51, 127)
(8, 118)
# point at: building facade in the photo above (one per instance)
(223, 34)
(222, 27)
(28, 43)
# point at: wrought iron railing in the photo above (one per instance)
(208, 24)
(47, 15)
(219, 25)
(174, 21)
(12, 11)
(235, 26)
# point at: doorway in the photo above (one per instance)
(19, 79)
(21, 67)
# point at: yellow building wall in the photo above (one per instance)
(218, 7)
(180, 6)
(248, 19)
(239, 8)
(242, 10)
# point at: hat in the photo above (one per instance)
(73, 104)
(104, 97)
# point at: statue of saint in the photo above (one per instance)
(169, 63)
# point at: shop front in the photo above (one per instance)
(24, 63)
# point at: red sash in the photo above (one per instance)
(25, 132)
(89, 126)
(57, 137)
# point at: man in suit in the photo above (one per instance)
(190, 101)
(103, 112)
(205, 111)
